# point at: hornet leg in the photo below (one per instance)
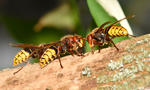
(113, 44)
(19, 69)
(58, 54)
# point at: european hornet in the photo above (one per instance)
(46, 53)
(29, 50)
(68, 43)
(99, 36)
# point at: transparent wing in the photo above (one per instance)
(23, 45)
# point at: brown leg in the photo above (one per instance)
(19, 69)
(58, 54)
(113, 44)
(79, 53)
(99, 49)
(92, 50)
(92, 46)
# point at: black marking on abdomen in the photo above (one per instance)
(28, 50)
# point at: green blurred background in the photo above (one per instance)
(37, 21)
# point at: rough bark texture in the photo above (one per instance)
(128, 68)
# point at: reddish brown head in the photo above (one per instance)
(89, 39)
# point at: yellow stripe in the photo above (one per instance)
(81, 43)
(47, 56)
(113, 31)
(15, 61)
(49, 53)
(120, 32)
(125, 32)
(23, 56)
(20, 57)
(110, 32)
(117, 32)
(26, 53)
(53, 52)
(44, 59)
(42, 63)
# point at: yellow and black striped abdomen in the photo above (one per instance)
(117, 31)
(22, 56)
(48, 56)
